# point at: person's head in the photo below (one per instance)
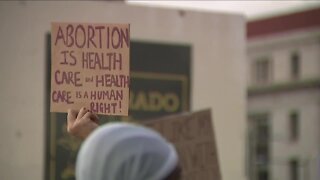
(122, 151)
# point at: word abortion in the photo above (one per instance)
(93, 36)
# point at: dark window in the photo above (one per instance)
(295, 65)
(263, 175)
(258, 147)
(262, 155)
(263, 132)
(262, 71)
(294, 126)
(294, 169)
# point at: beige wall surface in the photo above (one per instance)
(218, 73)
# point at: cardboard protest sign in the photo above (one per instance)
(193, 137)
(90, 67)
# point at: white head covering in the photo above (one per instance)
(122, 151)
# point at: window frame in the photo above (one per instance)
(295, 65)
(294, 125)
(262, 70)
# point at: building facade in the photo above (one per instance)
(283, 78)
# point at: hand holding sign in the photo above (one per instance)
(81, 123)
(90, 67)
